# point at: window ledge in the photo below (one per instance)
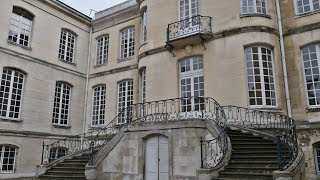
(255, 15)
(125, 59)
(19, 45)
(11, 120)
(306, 14)
(98, 66)
(71, 63)
(96, 127)
(313, 109)
(61, 126)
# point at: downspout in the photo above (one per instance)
(86, 89)
(283, 58)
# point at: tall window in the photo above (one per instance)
(62, 103)
(102, 50)
(260, 74)
(7, 158)
(317, 157)
(253, 6)
(192, 84)
(143, 90)
(20, 26)
(99, 105)
(311, 62)
(127, 43)
(306, 6)
(188, 9)
(11, 93)
(144, 26)
(67, 46)
(125, 99)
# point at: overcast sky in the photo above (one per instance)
(84, 6)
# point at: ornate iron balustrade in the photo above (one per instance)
(178, 109)
(188, 27)
(280, 126)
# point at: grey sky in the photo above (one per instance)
(84, 6)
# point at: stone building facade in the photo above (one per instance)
(64, 73)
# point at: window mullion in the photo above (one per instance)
(311, 6)
(10, 93)
(128, 43)
(19, 29)
(60, 105)
(14, 159)
(255, 6)
(1, 159)
(66, 46)
(103, 50)
(263, 92)
(99, 104)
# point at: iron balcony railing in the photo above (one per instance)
(279, 126)
(169, 110)
(188, 27)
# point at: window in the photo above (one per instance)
(143, 90)
(188, 11)
(144, 26)
(11, 93)
(20, 26)
(317, 157)
(127, 43)
(99, 105)
(61, 104)
(57, 152)
(192, 84)
(7, 158)
(311, 63)
(253, 6)
(67, 46)
(125, 99)
(306, 6)
(260, 75)
(102, 50)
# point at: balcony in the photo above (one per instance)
(189, 31)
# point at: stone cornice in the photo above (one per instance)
(40, 61)
(302, 29)
(33, 134)
(114, 71)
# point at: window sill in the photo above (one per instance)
(71, 63)
(255, 15)
(11, 120)
(313, 109)
(96, 127)
(125, 59)
(19, 45)
(98, 66)
(306, 14)
(61, 126)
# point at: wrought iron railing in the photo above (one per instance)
(179, 109)
(188, 27)
(279, 126)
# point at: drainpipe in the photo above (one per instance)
(283, 58)
(86, 91)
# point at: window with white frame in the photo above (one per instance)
(62, 101)
(143, 90)
(307, 6)
(254, 7)
(102, 50)
(99, 105)
(261, 85)
(144, 26)
(125, 99)
(11, 91)
(7, 158)
(67, 46)
(127, 42)
(20, 26)
(57, 152)
(317, 157)
(188, 10)
(192, 84)
(311, 63)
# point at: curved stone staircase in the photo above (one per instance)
(253, 157)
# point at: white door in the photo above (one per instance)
(157, 158)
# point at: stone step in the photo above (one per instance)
(264, 170)
(260, 141)
(252, 147)
(68, 168)
(245, 175)
(240, 166)
(254, 157)
(76, 160)
(61, 177)
(65, 172)
(253, 162)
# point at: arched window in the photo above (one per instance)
(254, 6)
(311, 62)
(125, 99)
(20, 26)
(102, 50)
(127, 42)
(67, 46)
(62, 101)
(192, 83)
(57, 152)
(316, 147)
(261, 84)
(7, 158)
(11, 90)
(99, 105)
